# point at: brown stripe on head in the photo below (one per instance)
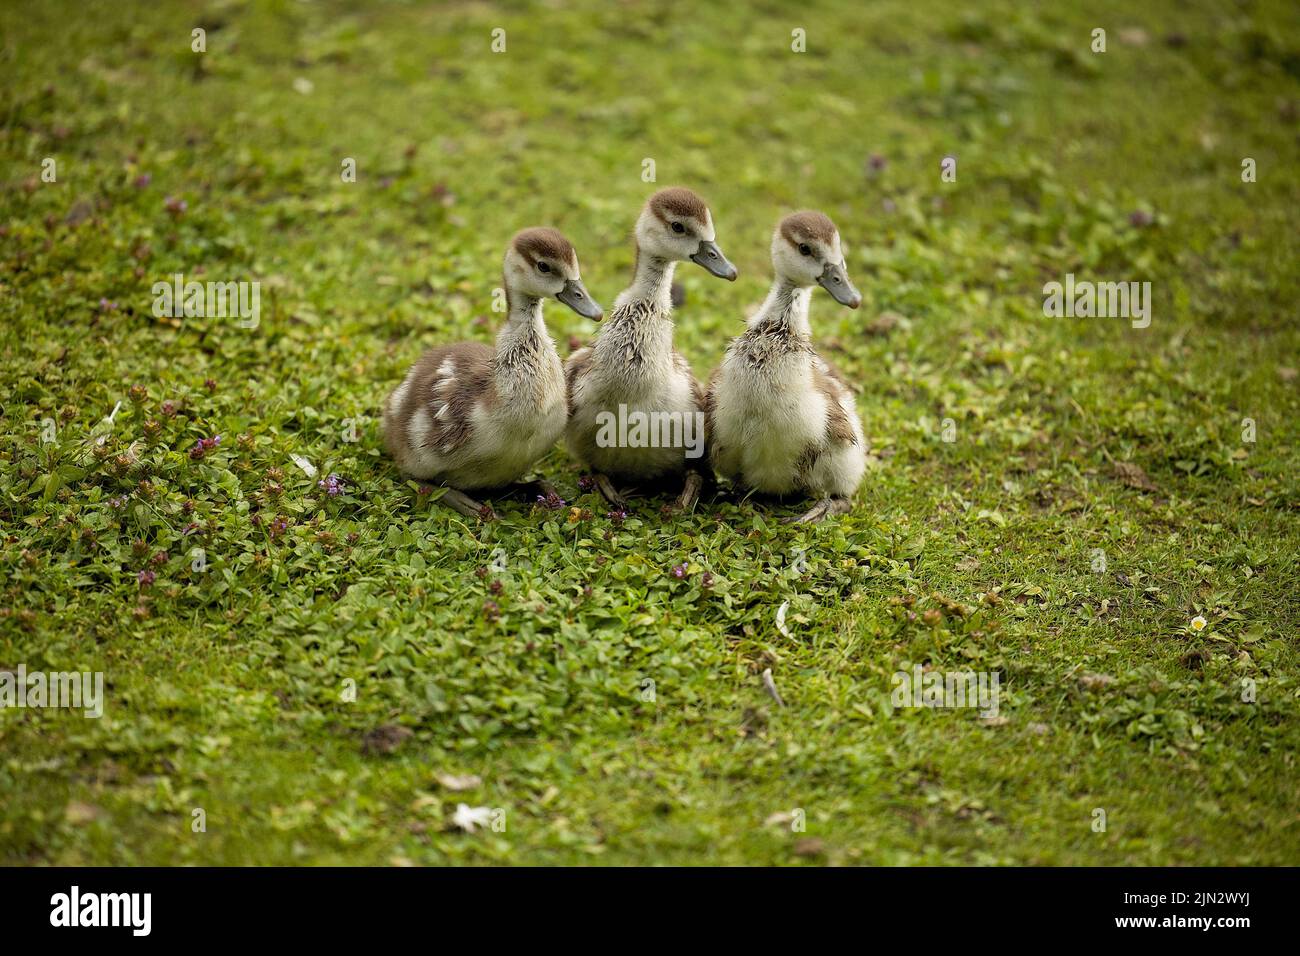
(678, 202)
(808, 225)
(543, 242)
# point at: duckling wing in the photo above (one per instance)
(445, 385)
(709, 406)
(709, 403)
(575, 370)
(840, 428)
(683, 368)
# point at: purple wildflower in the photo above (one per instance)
(332, 485)
(146, 578)
(551, 500)
(679, 570)
(203, 446)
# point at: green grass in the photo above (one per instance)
(225, 687)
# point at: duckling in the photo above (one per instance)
(472, 417)
(632, 372)
(780, 419)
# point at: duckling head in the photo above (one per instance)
(675, 226)
(806, 251)
(541, 263)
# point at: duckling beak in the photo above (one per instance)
(711, 257)
(835, 280)
(575, 296)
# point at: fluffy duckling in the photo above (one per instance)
(473, 417)
(632, 370)
(780, 419)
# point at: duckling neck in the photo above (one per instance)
(523, 320)
(652, 282)
(524, 351)
(785, 310)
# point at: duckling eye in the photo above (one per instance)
(543, 267)
(804, 249)
(678, 227)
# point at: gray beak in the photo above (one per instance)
(575, 296)
(835, 280)
(711, 257)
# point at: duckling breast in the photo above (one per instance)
(631, 425)
(782, 424)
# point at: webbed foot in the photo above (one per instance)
(819, 511)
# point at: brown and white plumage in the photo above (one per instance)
(633, 362)
(472, 417)
(781, 420)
